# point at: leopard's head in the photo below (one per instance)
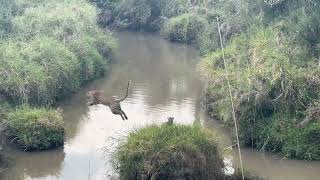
(94, 97)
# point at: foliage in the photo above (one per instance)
(53, 48)
(36, 72)
(271, 92)
(64, 21)
(169, 152)
(7, 9)
(48, 49)
(140, 14)
(36, 128)
(188, 28)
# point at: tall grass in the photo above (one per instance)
(272, 93)
(50, 50)
(169, 152)
(35, 128)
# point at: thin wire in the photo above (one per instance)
(231, 99)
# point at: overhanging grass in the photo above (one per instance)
(169, 152)
(35, 128)
(52, 50)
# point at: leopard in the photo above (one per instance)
(95, 97)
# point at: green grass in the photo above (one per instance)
(48, 50)
(169, 152)
(35, 128)
(189, 28)
(272, 93)
(52, 49)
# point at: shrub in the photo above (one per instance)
(169, 152)
(185, 28)
(303, 143)
(189, 28)
(36, 128)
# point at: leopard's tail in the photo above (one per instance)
(126, 92)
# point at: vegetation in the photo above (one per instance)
(169, 152)
(188, 21)
(172, 151)
(42, 74)
(36, 128)
(188, 28)
(275, 84)
(271, 94)
(48, 49)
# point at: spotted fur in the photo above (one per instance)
(96, 97)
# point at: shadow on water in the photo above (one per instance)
(164, 83)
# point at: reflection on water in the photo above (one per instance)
(163, 84)
(34, 165)
(267, 165)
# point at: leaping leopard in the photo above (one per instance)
(96, 97)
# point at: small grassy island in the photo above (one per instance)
(171, 152)
(36, 128)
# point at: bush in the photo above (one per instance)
(185, 28)
(188, 28)
(36, 128)
(303, 143)
(169, 152)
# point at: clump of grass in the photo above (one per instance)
(35, 128)
(169, 152)
(188, 28)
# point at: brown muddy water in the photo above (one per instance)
(164, 83)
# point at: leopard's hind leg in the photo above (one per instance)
(123, 118)
(124, 114)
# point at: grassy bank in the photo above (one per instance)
(273, 93)
(52, 49)
(48, 50)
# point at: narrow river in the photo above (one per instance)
(164, 83)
